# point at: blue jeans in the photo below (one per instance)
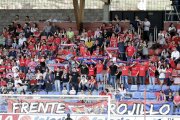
(112, 80)
(23, 69)
(67, 85)
(152, 80)
(142, 80)
(57, 85)
(134, 80)
(124, 80)
(99, 77)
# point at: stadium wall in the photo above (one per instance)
(43, 14)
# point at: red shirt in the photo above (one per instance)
(168, 72)
(82, 49)
(91, 71)
(146, 64)
(134, 71)
(113, 41)
(31, 47)
(44, 47)
(53, 48)
(33, 82)
(2, 68)
(27, 61)
(125, 70)
(130, 51)
(3, 83)
(142, 71)
(22, 75)
(85, 54)
(8, 67)
(99, 68)
(151, 73)
(32, 40)
(22, 62)
(57, 41)
(92, 81)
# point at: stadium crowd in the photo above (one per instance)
(56, 59)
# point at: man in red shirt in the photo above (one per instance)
(91, 71)
(130, 51)
(3, 82)
(22, 63)
(152, 70)
(2, 68)
(142, 73)
(99, 70)
(125, 75)
(134, 72)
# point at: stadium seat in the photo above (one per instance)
(56, 93)
(142, 88)
(150, 88)
(137, 95)
(157, 87)
(134, 88)
(151, 95)
(175, 88)
(42, 93)
(164, 87)
(28, 92)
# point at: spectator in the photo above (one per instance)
(170, 97)
(161, 96)
(121, 92)
(91, 83)
(142, 73)
(176, 102)
(65, 79)
(72, 91)
(152, 70)
(113, 73)
(169, 71)
(162, 71)
(99, 70)
(125, 75)
(64, 91)
(146, 25)
(134, 73)
(74, 78)
(19, 88)
(130, 51)
(172, 30)
(117, 29)
(167, 91)
(175, 55)
(83, 83)
(70, 34)
(57, 76)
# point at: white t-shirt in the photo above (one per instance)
(22, 40)
(162, 73)
(72, 92)
(147, 25)
(16, 82)
(175, 54)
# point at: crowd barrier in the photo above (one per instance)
(86, 25)
(93, 107)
